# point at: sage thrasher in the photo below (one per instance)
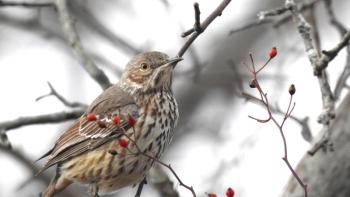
(138, 114)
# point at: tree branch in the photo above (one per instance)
(26, 4)
(67, 103)
(73, 39)
(42, 119)
(305, 32)
(264, 17)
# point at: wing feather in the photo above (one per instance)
(84, 135)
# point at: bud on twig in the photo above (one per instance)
(291, 89)
(273, 52)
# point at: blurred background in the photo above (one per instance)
(216, 145)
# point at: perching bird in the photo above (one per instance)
(102, 147)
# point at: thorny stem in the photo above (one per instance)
(264, 100)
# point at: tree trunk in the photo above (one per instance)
(327, 174)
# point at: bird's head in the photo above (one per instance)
(148, 71)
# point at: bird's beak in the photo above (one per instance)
(173, 61)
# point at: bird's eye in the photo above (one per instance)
(144, 66)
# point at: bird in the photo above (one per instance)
(106, 147)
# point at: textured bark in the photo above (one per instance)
(327, 174)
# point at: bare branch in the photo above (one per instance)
(42, 119)
(302, 6)
(329, 55)
(67, 103)
(31, 166)
(73, 39)
(87, 17)
(26, 4)
(24, 160)
(305, 32)
(250, 24)
(334, 21)
(264, 17)
(341, 82)
(217, 12)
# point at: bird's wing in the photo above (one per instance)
(84, 135)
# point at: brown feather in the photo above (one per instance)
(84, 135)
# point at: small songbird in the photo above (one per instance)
(102, 148)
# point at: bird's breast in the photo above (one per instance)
(158, 117)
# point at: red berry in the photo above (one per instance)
(91, 117)
(123, 143)
(230, 192)
(115, 119)
(131, 121)
(273, 52)
(212, 195)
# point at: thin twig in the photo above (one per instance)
(54, 93)
(287, 114)
(73, 39)
(305, 128)
(217, 12)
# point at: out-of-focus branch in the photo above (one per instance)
(42, 119)
(334, 21)
(341, 82)
(87, 17)
(264, 17)
(73, 39)
(161, 182)
(25, 161)
(217, 12)
(26, 4)
(67, 103)
(31, 166)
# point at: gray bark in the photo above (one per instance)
(327, 174)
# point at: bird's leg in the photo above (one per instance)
(139, 189)
(94, 190)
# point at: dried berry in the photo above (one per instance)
(212, 195)
(273, 52)
(291, 89)
(252, 83)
